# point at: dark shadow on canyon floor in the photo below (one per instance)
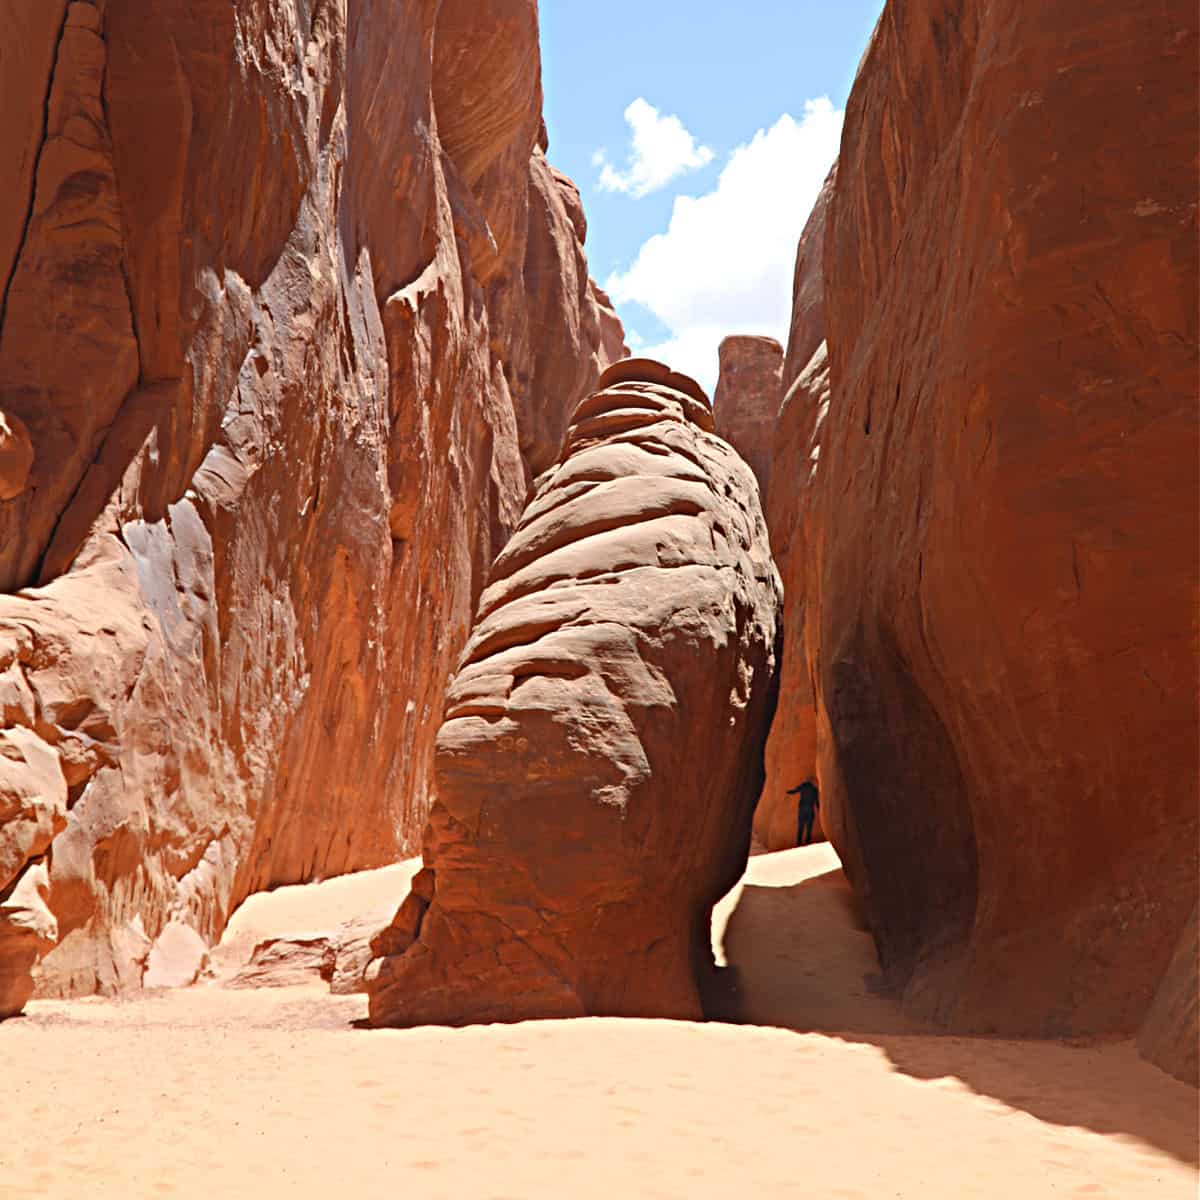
(799, 957)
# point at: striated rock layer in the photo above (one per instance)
(602, 743)
(287, 291)
(999, 609)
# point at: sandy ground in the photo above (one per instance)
(215, 1092)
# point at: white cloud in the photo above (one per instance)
(661, 150)
(725, 263)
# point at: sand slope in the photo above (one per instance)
(212, 1092)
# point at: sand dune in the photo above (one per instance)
(213, 1092)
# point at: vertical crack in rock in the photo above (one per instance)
(33, 175)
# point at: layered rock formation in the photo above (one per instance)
(999, 604)
(286, 290)
(746, 402)
(602, 743)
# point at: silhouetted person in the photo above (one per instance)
(806, 813)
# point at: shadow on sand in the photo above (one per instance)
(800, 957)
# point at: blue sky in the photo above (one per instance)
(699, 134)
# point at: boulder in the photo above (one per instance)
(601, 748)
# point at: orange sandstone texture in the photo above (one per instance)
(746, 402)
(999, 608)
(287, 291)
(601, 749)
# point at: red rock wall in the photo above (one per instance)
(285, 286)
(1000, 604)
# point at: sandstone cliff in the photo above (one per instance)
(602, 743)
(998, 603)
(292, 305)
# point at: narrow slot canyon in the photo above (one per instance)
(678, 679)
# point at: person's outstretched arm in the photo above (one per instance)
(792, 791)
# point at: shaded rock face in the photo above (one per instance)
(284, 285)
(791, 755)
(999, 608)
(602, 741)
(746, 403)
(16, 456)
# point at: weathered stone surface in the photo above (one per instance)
(338, 956)
(1000, 605)
(352, 952)
(747, 399)
(807, 330)
(26, 57)
(602, 741)
(572, 332)
(287, 961)
(266, 296)
(27, 930)
(33, 800)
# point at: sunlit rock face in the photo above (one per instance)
(998, 603)
(601, 749)
(285, 287)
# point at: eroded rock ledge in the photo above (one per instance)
(602, 744)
